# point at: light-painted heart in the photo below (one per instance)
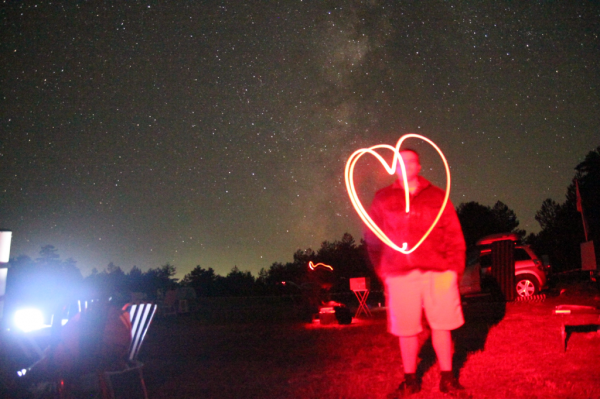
(391, 169)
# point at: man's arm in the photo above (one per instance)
(374, 244)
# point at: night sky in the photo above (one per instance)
(215, 133)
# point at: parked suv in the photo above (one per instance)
(531, 275)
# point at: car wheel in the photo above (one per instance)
(527, 285)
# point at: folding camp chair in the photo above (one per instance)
(124, 384)
(576, 318)
(141, 315)
(129, 383)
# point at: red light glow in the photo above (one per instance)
(391, 169)
(312, 266)
(328, 309)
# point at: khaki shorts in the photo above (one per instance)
(436, 292)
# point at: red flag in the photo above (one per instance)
(579, 208)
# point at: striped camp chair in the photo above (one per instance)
(129, 383)
(141, 315)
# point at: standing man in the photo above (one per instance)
(423, 280)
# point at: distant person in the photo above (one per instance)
(426, 279)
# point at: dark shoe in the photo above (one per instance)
(450, 386)
(405, 389)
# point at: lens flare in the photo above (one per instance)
(29, 319)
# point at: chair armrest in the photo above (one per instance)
(575, 309)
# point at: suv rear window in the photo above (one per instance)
(485, 260)
(521, 254)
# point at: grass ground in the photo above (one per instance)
(508, 350)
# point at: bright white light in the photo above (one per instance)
(29, 319)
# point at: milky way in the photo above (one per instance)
(215, 133)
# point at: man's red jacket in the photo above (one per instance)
(443, 249)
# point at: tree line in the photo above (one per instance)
(560, 237)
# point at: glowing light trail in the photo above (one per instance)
(313, 266)
(391, 169)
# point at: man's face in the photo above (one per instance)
(411, 162)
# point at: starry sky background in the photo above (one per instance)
(215, 133)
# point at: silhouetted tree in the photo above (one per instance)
(348, 260)
(260, 285)
(239, 283)
(159, 280)
(562, 228)
(290, 271)
(478, 220)
(561, 234)
(109, 282)
(202, 280)
(262, 275)
(49, 256)
(135, 279)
